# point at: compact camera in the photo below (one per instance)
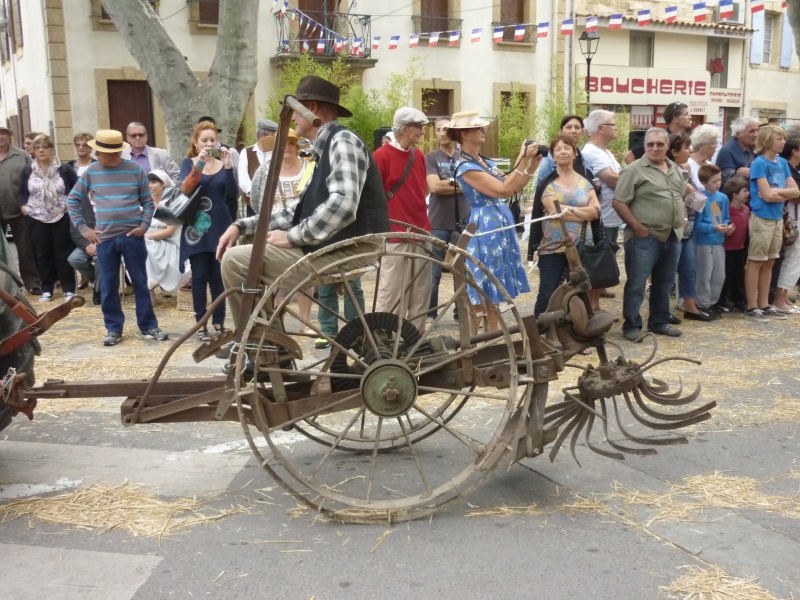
(214, 152)
(542, 150)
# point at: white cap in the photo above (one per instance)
(409, 116)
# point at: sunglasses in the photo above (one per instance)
(137, 135)
(655, 144)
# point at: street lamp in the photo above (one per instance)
(589, 42)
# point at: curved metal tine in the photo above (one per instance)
(476, 446)
(620, 447)
(372, 465)
(359, 313)
(652, 335)
(563, 435)
(557, 414)
(415, 457)
(438, 318)
(660, 387)
(647, 367)
(577, 400)
(670, 399)
(617, 347)
(563, 418)
(575, 434)
(664, 426)
(596, 449)
(646, 441)
(336, 442)
(669, 416)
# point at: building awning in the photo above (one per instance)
(706, 29)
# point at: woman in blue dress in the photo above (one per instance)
(485, 187)
(210, 167)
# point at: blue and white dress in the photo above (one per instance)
(498, 251)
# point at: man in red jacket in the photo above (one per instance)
(402, 167)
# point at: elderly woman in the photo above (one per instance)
(163, 242)
(679, 150)
(485, 187)
(42, 194)
(211, 167)
(83, 152)
(579, 202)
(704, 145)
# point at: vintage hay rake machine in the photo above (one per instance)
(350, 431)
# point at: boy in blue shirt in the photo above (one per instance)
(711, 227)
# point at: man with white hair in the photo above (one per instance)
(649, 198)
(736, 156)
(602, 130)
(402, 167)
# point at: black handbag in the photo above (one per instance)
(176, 208)
(600, 258)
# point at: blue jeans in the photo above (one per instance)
(648, 257)
(687, 270)
(436, 270)
(109, 255)
(552, 268)
(328, 297)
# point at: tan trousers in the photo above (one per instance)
(418, 271)
(236, 261)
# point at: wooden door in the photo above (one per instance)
(434, 15)
(512, 12)
(131, 101)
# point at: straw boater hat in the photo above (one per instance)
(466, 120)
(108, 140)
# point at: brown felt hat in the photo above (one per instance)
(318, 89)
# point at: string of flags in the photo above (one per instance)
(318, 33)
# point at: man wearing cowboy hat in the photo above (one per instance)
(402, 166)
(252, 157)
(12, 161)
(124, 209)
(148, 157)
(343, 200)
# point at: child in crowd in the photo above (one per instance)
(711, 227)
(737, 189)
(771, 184)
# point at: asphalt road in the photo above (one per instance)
(541, 529)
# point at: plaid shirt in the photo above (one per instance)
(349, 158)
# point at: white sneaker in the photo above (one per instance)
(68, 296)
(45, 297)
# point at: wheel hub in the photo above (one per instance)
(389, 388)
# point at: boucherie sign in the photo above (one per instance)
(641, 86)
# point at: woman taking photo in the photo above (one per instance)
(210, 167)
(163, 242)
(485, 187)
(42, 194)
(679, 151)
(580, 205)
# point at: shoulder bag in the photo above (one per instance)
(790, 231)
(390, 194)
(600, 258)
(177, 208)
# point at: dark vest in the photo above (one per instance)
(372, 215)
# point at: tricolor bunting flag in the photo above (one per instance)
(376, 42)
(671, 14)
(699, 11)
(591, 24)
(454, 35)
(393, 42)
(476, 35)
(413, 40)
(542, 30)
(434, 39)
(497, 35)
(337, 45)
(725, 9)
(519, 33)
(320, 47)
(274, 4)
(567, 27)
(756, 6)
(644, 17)
(294, 14)
(615, 22)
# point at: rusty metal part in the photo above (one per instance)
(36, 324)
(13, 393)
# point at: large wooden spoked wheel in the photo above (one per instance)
(386, 383)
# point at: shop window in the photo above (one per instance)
(438, 102)
(641, 49)
(717, 61)
(769, 28)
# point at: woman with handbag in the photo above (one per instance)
(485, 187)
(211, 168)
(580, 206)
(679, 151)
(42, 194)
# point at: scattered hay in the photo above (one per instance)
(126, 506)
(508, 511)
(688, 501)
(781, 409)
(715, 584)
(68, 405)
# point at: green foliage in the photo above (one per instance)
(516, 122)
(619, 146)
(554, 107)
(371, 109)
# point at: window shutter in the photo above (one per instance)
(757, 41)
(787, 43)
(16, 13)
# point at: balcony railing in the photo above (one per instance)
(509, 30)
(335, 34)
(425, 24)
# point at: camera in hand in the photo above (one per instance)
(542, 150)
(214, 152)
